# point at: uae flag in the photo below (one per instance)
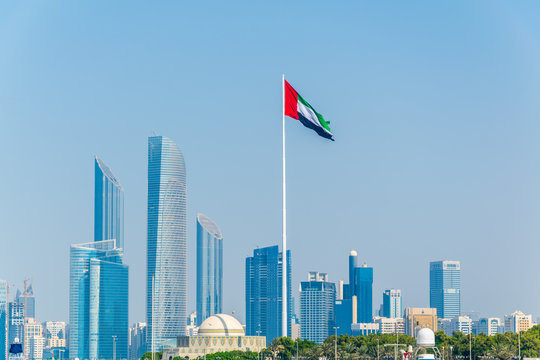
(298, 108)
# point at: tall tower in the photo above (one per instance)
(166, 281)
(108, 205)
(98, 296)
(4, 308)
(209, 268)
(392, 303)
(264, 293)
(445, 288)
(317, 307)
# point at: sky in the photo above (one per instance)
(434, 107)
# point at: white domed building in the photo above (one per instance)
(220, 332)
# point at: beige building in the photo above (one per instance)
(420, 317)
(517, 321)
(33, 340)
(218, 333)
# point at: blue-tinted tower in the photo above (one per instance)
(98, 298)
(166, 281)
(391, 307)
(264, 293)
(364, 293)
(317, 304)
(445, 288)
(108, 205)
(209, 268)
(4, 301)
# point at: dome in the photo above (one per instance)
(425, 338)
(353, 253)
(221, 325)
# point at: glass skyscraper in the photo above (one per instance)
(392, 304)
(98, 298)
(264, 293)
(166, 282)
(317, 304)
(445, 288)
(3, 318)
(209, 268)
(108, 205)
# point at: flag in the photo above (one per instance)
(298, 108)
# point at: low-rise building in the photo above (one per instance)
(517, 321)
(489, 326)
(363, 329)
(420, 318)
(390, 325)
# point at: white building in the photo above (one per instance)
(364, 329)
(462, 324)
(137, 340)
(33, 340)
(220, 332)
(517, 321)
(54, 333)
(489, 326)
(390, 325)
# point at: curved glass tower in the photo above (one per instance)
(209, 268)
(108, 205)
(166, 282)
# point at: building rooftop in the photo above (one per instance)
(209, 226)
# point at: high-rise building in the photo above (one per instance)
(33, 340)
(108, 205)
(16, 321)
(264, 293)
(166, 282)
(54, 333)
(137, 340)
(98, 301)
(420, 318)
(4, 301)
(317, 302)
(209, 268)
(517, 322)
(489, 326)
(391, 307)
(445, 288)
(358, 293)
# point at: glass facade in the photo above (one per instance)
(445, 288)
(108, 205)
(264, 293)
(209, 268)
(98, 298)
(392, 303)
(317, 304)
(166, 282)
(3, 318)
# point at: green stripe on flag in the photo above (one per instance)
(323, 122)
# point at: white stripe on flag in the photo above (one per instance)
(310, 115)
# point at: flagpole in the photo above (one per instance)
(284, 238)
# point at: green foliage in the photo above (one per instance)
(148, 356)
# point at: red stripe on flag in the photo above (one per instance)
(291, 101)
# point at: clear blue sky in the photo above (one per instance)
(434, 106)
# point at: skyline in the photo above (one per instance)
(444, 142)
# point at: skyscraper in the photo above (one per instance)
(209, 268)
(317, 302)
(445, 288)
(392, 303)
(166, 282)
(364, 293)
(264, 293)
(98, 301)
(98, 294)
(3, 318)
(108, 205)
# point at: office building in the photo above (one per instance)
(489, 326)
(445, 288)
(16, 321)
(33, 340)
(364, 329)
(391, 306)
(317, 301)
(54, 333)
(209, 268)
(108, 205)
(420, 318)
(517, 321)
(358, 294)
(98, 301)
(166, 282)
(264, 293)
(137, 340)
(390, 325)
(4, 301)
(461, 324)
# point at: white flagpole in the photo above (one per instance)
(284, 244)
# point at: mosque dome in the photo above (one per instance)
(221, 325)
